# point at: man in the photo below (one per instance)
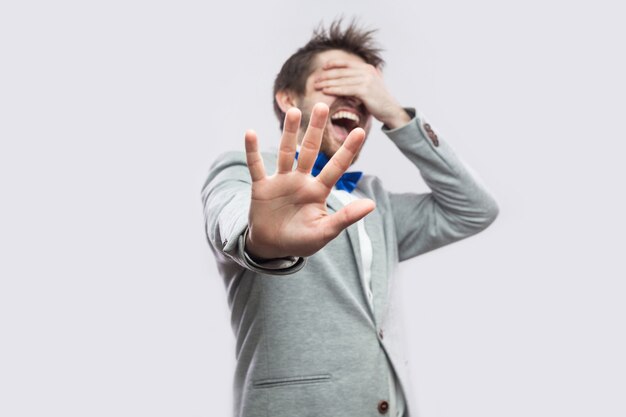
(309, 260)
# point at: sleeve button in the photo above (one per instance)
(433, 136)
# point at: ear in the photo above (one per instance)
(286, 99)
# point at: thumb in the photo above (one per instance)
(352, 213)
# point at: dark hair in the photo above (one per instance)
(298, 67)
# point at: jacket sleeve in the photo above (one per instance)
(458, 205)
(226, 203)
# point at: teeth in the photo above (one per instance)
(345, 115)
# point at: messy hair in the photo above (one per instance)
(299, 66)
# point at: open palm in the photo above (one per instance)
(288, 215)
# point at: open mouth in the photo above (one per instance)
(343, 121)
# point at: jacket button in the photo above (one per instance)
(383, 407)
(380, 333)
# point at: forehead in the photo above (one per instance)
(334, 55)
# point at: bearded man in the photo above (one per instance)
(309, 254)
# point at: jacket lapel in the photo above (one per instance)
(353, 234)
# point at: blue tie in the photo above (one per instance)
(346, 182)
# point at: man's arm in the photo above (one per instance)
(226, 203)
(459, 205)
(287, 214)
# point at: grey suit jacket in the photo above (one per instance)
(307, 342)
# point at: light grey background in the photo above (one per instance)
(111, 113)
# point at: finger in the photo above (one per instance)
(289, 141)
(253, 157)
(342, 159)
(312, 138)
(343, 90)
(334, 224)
(338, 63)
(336, 73)
(338, 82)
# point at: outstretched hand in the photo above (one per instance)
(288, 215)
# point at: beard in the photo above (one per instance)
(334, 135)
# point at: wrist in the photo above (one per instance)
(251, 250)
(396, 118)
(257, 253)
